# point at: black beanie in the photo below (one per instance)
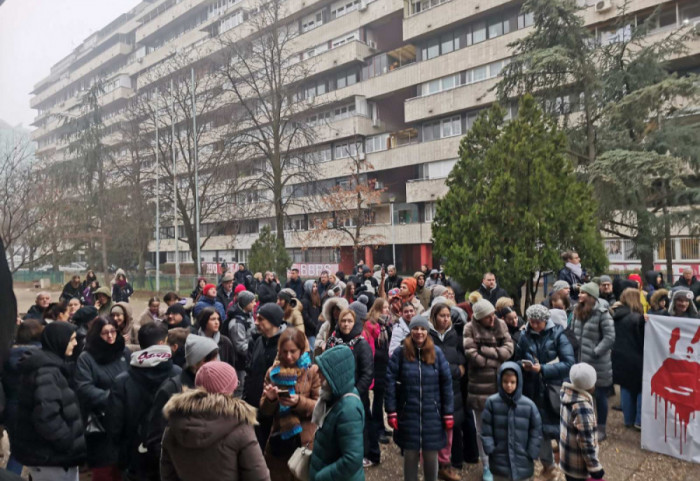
(84, 315)
(273, 313)
(177, 308)
(56, 336)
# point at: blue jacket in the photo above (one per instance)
(205, 302)
(545, 347)
(420, 394)
(338, 447)
(511, 430)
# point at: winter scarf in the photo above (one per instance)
(336, 340)
(575, 268)
(104, 352)
(321, 408)
(384, 322)
(286, 377)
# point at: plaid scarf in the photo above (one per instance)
(286, 378)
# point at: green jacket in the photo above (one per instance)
(338, 445)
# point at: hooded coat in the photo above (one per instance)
(210, 437)
(338, 443)
(325, 330)
(309, 311)
(240, 329)
(555, 354)
(628, 349)
(205, 302)
(129, 402)
(511, 430)
(121, 292)
(654, 302)
(420, 394)
(294, 317)
(596, 336)
(49, 429)
(364, 360)
(261, 355)
(450, 342)
(486, 349)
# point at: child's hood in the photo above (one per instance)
(570, 394)
(510, 365)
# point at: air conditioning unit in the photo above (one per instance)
(372, 44)
(603, 6)
(363, 5)
(361, 155)
(376, 122)
(378, 185)
(696, 28)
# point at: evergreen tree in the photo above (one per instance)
(623, 110)
(268, 254)
(514, 203)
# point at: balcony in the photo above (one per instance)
(425, 190)
(116, 94)
(443, 103)
(355, 51)
(446, 14)
(348, 127)
(166, 18)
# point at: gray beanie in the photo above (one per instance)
(583, 376)
(559, 285)
(592, 289)
(419, 321)
(245, 298)
(438, 290)
(537, 312)
(197, 348)
(605, 279)
(482, 309)
(359, 307)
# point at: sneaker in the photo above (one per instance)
(638, 427)
(487, 476)
(446, 473)
(366, 463)
(602, 436)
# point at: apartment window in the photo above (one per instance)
(437, 170)
(343, 150)
(312, 21)
(479, 32)
(429, 212)
(339, 9)
(526, 20)
(442, 128)
(344, 111)
(346, 78)
(376, 143)
(349, 37)
(690, 248)
(689, 12)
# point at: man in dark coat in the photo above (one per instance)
(268, 289)
(489, 290)
(392, 281)
(72, 289)
(295, 283)
(243, 276)
(688, 281)
(261, 356)
(131, 399)
(224, 291)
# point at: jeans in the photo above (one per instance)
(410, 465)
(601, 404)
(484, 457)
(13, 465)
(631, 406)
(52, 473)
(370, 433)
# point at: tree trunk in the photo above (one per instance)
(668, 244)
(528, 292)
(644, 242)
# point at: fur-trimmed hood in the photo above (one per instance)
(198, 419)
(330, 303)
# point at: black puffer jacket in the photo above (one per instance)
(261, 355)
(49, 430)
(364, 361)
(94, 376)
(628, 349)
(267, 292)
(452, 347)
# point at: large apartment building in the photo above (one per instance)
(405, 77)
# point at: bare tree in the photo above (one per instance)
(262, 74)
(167, 101)
(350, 206)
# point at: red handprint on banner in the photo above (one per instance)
(677, 382)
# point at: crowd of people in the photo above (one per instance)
(239, 378)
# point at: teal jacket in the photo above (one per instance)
(338, 445)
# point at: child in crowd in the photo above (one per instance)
(512, 420)
(578, 438)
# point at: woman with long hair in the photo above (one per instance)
(311, 309)
(104, 358)
(349, 292)
(379, 322)
(291, 389)
(209, 323)
(628, 355)
(419, 400)
(595, 331)
(57, 311)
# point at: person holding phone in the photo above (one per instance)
(292, 387)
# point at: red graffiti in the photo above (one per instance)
(677, 382)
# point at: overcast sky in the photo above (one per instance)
(34, 35)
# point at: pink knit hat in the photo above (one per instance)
(217, 377)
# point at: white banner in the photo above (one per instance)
(671, 387)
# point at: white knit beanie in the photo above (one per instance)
(482, 309)
(583, 376)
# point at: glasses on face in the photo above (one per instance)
(109, 333)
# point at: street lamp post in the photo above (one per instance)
(393, 233)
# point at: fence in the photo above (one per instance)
(55, 277)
